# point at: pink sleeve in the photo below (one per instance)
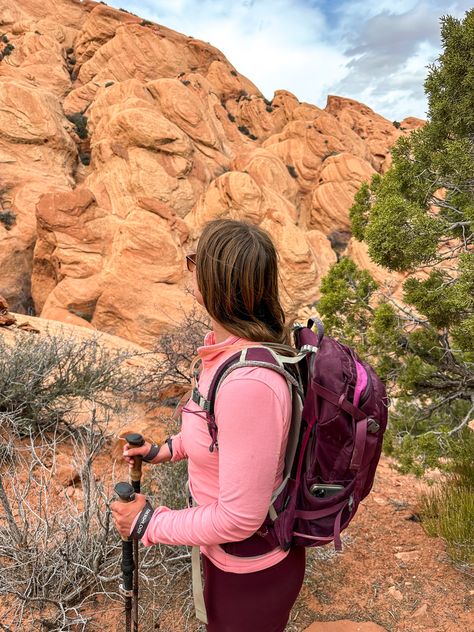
(179, 452)
(251, 424)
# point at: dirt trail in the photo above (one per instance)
(391, 573)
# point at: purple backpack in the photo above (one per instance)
(334, 444)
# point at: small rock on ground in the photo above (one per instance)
(344, 626)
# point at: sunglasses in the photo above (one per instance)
(191, 262)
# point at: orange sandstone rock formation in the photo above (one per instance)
(120, 138)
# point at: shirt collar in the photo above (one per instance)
(211, 349)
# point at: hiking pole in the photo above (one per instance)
(135, 440)
(126, 493)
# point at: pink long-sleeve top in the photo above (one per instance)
(232, 486)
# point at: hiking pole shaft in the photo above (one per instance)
(126, 494)
(135, 440)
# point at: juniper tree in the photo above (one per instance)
(418, 218)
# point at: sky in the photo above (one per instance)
(374, 51)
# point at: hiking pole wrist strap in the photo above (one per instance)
(143, 521)
(152, 453)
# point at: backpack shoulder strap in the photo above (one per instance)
(248, 357)
(258, 357)
(270, 357)
(208, 404)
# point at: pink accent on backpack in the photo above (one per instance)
(339, 417)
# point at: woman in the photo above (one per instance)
(235, 278)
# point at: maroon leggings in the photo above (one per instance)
(253, 602)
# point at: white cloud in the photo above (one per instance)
(277, 44)
(389, 54)
(374, 51)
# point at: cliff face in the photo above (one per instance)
(120, 138)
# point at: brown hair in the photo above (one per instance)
(237, 275)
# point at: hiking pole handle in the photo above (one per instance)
(135, 440)
(126, 494)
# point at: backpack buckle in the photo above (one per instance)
(373, 425)
(308, 349)
(201, 401)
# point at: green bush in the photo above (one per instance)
(85, 158)
(8, 219)
(418, 219)
(424, 344)
(244, 130)
(447, 510)
(80, 124)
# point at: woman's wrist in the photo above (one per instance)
(163, 455)
(152, 453)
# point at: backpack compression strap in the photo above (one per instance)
(364, 423)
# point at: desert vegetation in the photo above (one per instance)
(8, 219)
(80, 124)
(418, 219)
(59, 552)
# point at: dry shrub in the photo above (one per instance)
(57, 552)
(44, 378)
(169, 375)
(166, 570)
